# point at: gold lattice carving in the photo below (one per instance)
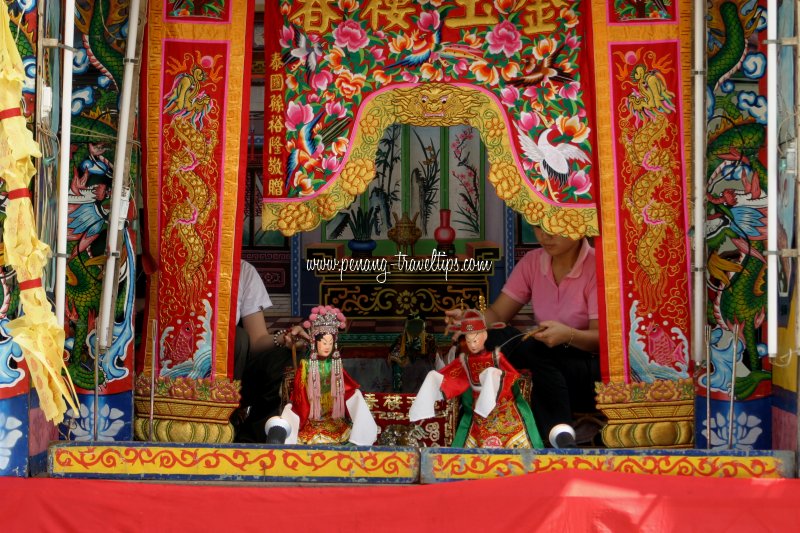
(374, 302)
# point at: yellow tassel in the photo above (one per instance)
(37, 331)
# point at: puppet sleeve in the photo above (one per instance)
(454, 379)
(299, 398)
(350, 385)
(496, 383)
(510, 374)
(364, 430)
(450, 382)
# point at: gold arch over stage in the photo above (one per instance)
(431, 104)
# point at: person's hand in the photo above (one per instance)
(452, 320)
(552, 333)
(296, 336)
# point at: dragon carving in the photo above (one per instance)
(653, 193)
(187, 220)
(435, 104)
(101, 26)
(737, 188)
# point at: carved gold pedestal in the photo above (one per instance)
(648, 415)
(185, 410)
(169, 430)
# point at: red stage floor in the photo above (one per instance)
(557, 501)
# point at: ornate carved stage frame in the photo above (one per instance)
(637, 200)
(432, 104)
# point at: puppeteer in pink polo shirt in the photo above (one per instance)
(572, 302)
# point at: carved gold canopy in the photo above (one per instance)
(431, 104)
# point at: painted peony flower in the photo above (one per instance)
(429, 21)
(297, 115)
(331, 163)
(340, 146)
(321, 80)
(528, 121)
(504, 38)
(335, 109)
(504, 6)
(286, 37)
(349, 34)
(303, 182)
(485, 73)
(378, 54)
(509, 96)
(347, 5)
(570, 91)
(350, 84)
(580, 181)
(573, 127)
(381, 77)
(400, 44)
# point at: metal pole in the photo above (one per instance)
(698, 176)
(796, 161)
(153, 333)
(708, 385)
(772, 174)
(96, 395)
(120, 189)
(63, 165)
(120, 196)
(733, 384)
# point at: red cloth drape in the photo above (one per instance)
(560, 501)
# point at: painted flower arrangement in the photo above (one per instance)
(362, 222)
(466, 172)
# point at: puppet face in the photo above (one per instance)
(415, 327)
(475, 341)
(325, 346)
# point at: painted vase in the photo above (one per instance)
(445, 235)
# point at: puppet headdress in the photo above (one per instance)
(325, 319)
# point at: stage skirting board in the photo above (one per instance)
(564, 500)
(389, 465)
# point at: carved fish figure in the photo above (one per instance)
(181, 347)
(662, 349)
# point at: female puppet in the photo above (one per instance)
(495, 413)
(322, 390)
